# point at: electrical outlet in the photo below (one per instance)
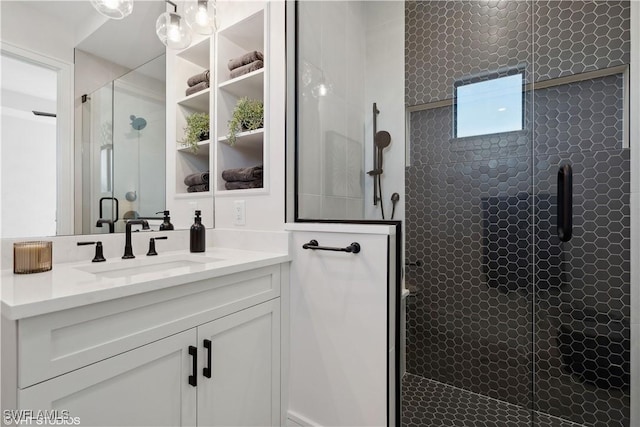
(238, 212)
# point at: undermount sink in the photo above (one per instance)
(142, 266)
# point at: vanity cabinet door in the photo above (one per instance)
(244, 384)
(147, 386)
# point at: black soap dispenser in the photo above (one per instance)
(166, 224)
(197, 235)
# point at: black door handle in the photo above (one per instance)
(193, 380)
(206, 371)
(565, 203)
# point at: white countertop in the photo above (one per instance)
(67, 286)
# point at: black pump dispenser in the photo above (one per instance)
(166, 224)
(197, 235)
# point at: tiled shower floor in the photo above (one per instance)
(427, 403)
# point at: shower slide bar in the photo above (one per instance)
(376, 165)
(353, 248)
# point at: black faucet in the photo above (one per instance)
(111, 222)
(112, 226)
(128, 250)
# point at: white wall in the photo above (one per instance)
(338, 326)
(29, 154)
(23, 26)
(384, 84)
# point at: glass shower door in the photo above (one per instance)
(518, 219)
(581, 213)
(469, 229)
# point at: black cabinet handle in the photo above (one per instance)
(565, 203)
(206, 371)
(193, 381)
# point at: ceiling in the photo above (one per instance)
(129, 42)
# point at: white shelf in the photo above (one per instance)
(199, 195)
(246, 192)
(251, 137)
(198, 101)
(250, 85)
(203, 149)
(197, 53)
(247, 33)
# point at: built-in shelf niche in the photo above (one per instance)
(235, 40)
(191, 61)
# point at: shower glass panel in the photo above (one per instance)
(139, 128)
(123, 155)
(518, 241)
(349, 58)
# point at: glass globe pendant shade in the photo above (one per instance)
(114, 9)
(201, 16)
(172, 31)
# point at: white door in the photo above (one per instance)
(147, 386)
(244, 385)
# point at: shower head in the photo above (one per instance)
(138, 123)
(382, 139)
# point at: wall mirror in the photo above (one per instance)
(84, 118)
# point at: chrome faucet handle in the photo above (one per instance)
(98, 257)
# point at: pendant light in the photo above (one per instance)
(323, 88)
(201, 16)
(171, 29)
(114, 9)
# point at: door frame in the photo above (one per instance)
(64, 131)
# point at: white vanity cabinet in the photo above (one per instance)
(244, 384)
(146, 386)
(200, 354)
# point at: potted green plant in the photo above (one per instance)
(197, 130)
(248, 115)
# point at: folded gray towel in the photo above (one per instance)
(197, 179)
(245, 59)
(243, 185)
(197, 88)
(242, 174)
(199, 78)
(198, 188)
(246, 69)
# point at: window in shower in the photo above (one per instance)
(489, 104)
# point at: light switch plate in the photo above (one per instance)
(239, 212)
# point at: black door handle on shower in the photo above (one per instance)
(565, 203)
(206, 371)
(193, 379)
